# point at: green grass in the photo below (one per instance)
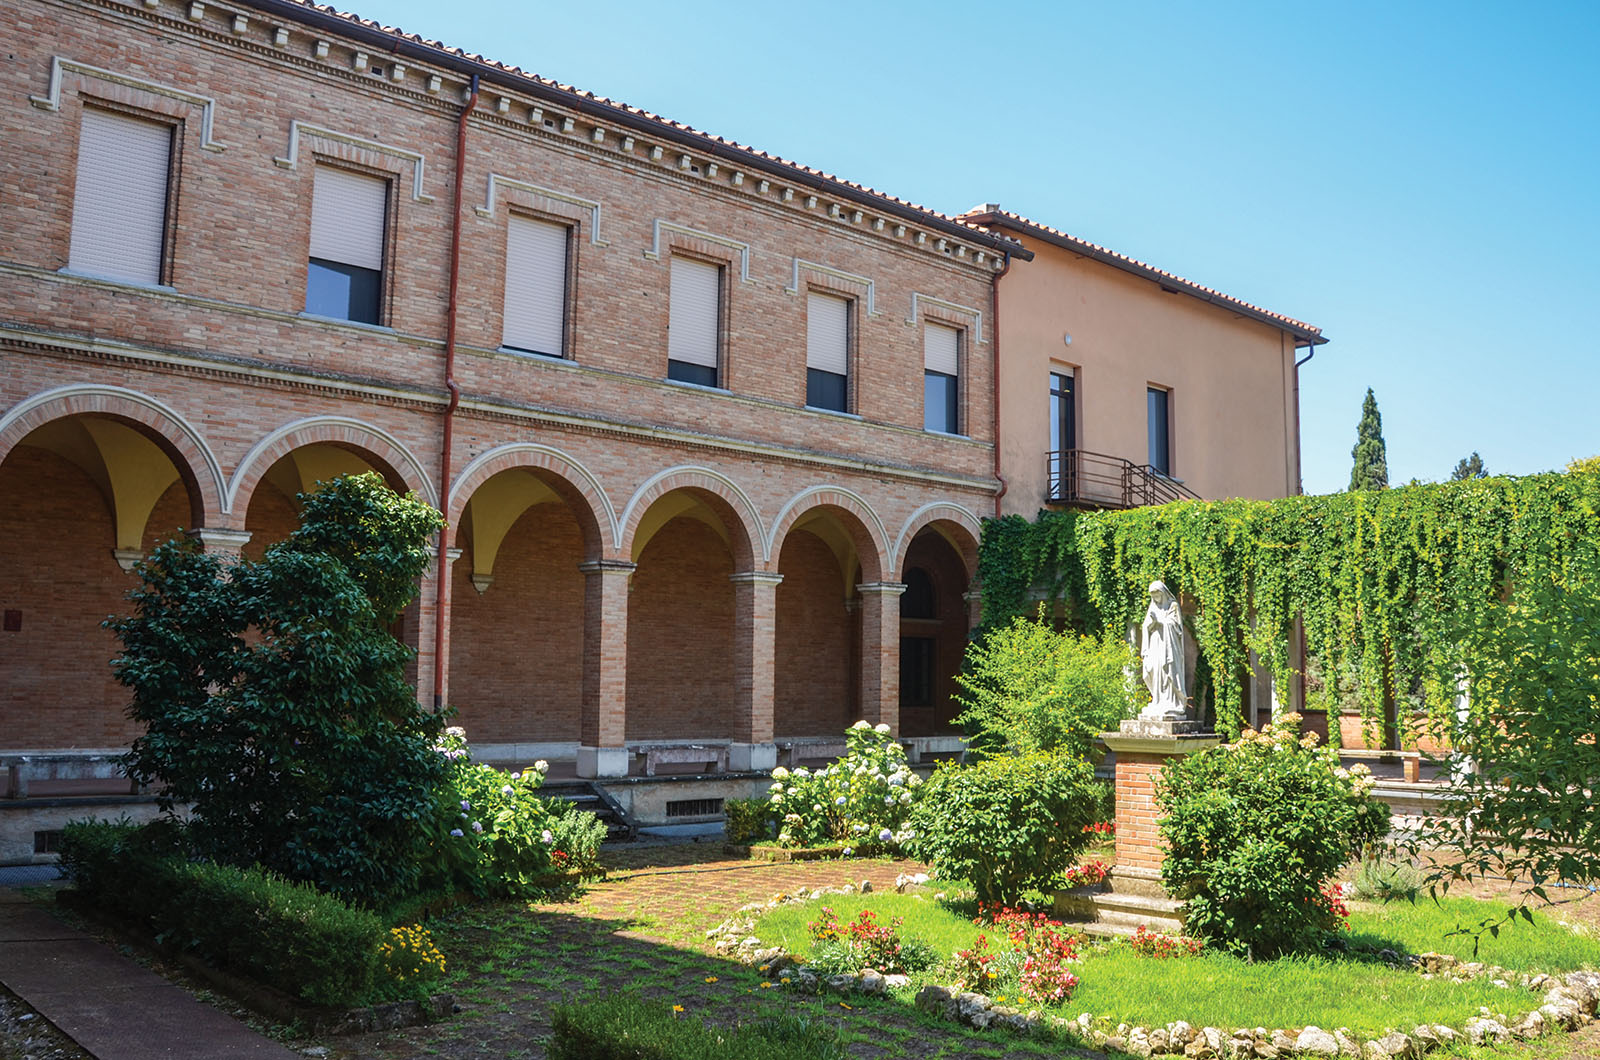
(1544, 946)
(1222, 991)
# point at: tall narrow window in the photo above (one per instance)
(1063, 435)
(941, 368)
(694, 322)
(1160, 408)
(119, 206)
(828, 352)
(344, 279)
(536, 286)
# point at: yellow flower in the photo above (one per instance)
(785, 979)
(711, 978)
(677, 1008)
(844, 1006)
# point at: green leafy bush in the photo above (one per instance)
(629, 1027)
(863, 799)
(274, 697)
(747, 820)
(1255, 829)
(492, 834)
(284, 934)
(1006, 824)
(1027, 688)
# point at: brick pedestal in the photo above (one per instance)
(1133, 894)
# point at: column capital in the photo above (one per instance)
(453, 554)
(881, 588)
(608, 566)
(220, 539)
(755, 577)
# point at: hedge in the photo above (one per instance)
(286, 935)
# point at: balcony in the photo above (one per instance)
(1079, 478)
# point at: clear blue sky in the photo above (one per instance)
(1420, 180)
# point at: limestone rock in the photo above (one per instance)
(1283, 1043)
(1483, 1031)
(1530, 1026)
(1314, 1041)
(1348, 1046)
(1159, 1040)
(1180, 1034)
(896, 981)
(932, 999)
(1139, 1043)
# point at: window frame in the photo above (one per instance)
(720, 322)
(956, 407)
(385, 270)
(1152, 389)
(569, 284)
(847, 379)
(167, 248)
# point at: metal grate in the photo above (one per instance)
(47, 842)
(694, 807)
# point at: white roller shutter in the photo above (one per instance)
(692, 312)
(536, 286)
(347, 214)
(828, 333)
(119, 208)
(940, 346)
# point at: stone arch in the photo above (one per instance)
(863, 524)
(577, 485)
(955, 524)
(197, 465)
(738, 512)
(336, 430)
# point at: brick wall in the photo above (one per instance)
(1138, 834)
(815, 676)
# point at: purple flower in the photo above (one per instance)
(477, 826)
(458, 833)
(465, 805)
(507, 791)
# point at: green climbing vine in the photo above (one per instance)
(1383, 581)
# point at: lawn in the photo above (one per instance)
(1219, 990)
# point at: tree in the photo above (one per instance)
(1370, 470)
(275, 700)
(1468, 468)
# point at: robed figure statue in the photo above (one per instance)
(1162, 654)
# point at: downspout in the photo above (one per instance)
(443, 564)
(994, 342)
(1299, 482)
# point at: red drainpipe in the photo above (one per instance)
(439, 616)
(994, 342)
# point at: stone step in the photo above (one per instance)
(1123, 911)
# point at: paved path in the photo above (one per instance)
(112, 1007)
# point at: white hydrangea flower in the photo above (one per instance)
(776, 787)
(780, 773)
(888, 800)
(905, 798)
(840, 801)
(541, 767)
(862, 724)
(881, 729)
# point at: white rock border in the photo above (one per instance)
(1570, 1001)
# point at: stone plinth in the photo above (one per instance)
(1133, 894)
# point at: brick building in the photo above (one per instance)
(713, 431)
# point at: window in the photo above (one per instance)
(1063, 414)
(536, 286)
(917, 655)
(1160, 409)
(119, 206)
(918, 601)
(941, 360)
(828, 352)
(345, 277)
(694, 336)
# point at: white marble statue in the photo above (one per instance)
(1163, 658)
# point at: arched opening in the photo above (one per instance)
(681, 681)
(517, 615)
(817, 657)
(933, 633)
(88, 497)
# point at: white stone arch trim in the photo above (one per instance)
(584, 480)
(731, 492)
(947, 511)
(355, 430)
(76, 399)
(874, 524)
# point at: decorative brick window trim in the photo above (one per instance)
(925, 306)
(810, 275)
(668, 237)
(130, 91)
(342, 146)
(549, 201)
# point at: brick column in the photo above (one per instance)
(605, 668)
(880, 653)
(755, 595)
(974, 602)
(1143, 748)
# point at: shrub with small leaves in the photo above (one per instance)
(410, 956)
(1255, 829)
(863, 799)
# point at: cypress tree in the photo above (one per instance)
(1371, 467)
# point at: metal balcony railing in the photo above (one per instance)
(1082, 479)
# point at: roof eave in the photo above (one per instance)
(1304, 335)
(620, 116)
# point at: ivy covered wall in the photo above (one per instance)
(1386, 581)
